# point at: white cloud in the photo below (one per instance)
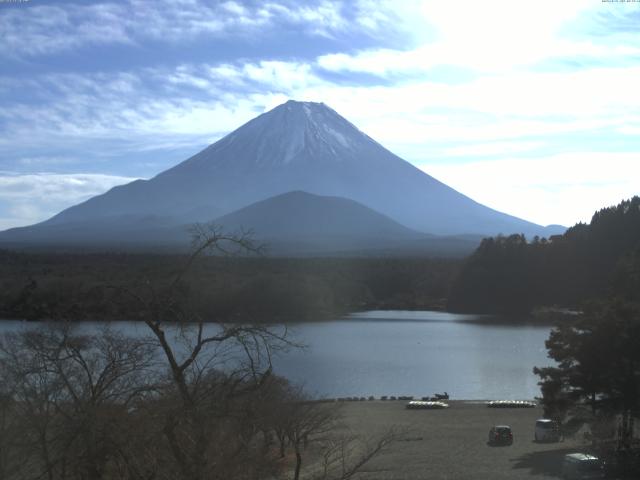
(286, 76)
(491, 149)
(558, 189)
(490, 109)
(31, 198)
(500, 34)
(493, 36)
(148, 103)
(323, 18)
(420, 61)
(36, 30)
(43, 29)
(46, 161)
(404, 114)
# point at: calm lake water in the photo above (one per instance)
(406, 353)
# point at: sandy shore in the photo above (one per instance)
(452, 443)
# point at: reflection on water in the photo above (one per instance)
(404, 353)
(417, 353)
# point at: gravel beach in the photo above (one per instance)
(452, 443)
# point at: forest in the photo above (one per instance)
(258, 289)
(595, 379)
(508, 274)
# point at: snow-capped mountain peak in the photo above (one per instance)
(303, 146)
(294, 132)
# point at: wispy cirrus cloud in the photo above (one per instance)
(199, 103)
(42, 29)
(620, 19)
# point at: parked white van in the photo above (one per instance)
(547, 430)
(582, 466)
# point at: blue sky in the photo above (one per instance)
(530, 107)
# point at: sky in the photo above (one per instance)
(529, 107)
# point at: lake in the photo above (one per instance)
(407, 353)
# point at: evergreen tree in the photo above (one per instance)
(598, 367)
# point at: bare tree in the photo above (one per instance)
(71, 394)
(311, 422)
(315, 429)
(345, 455)
(191, 400)
(211, 366)
(9, 459)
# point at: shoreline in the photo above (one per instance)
(403, 399)
(346, 316)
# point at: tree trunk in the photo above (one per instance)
(296, 475)
(267, 440)
(282, 440)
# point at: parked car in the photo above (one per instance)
(500, 435)
(582, 466)
(547, 430)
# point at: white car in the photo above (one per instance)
(547, 430)
(582, 466)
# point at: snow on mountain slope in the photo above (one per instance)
(299, 146)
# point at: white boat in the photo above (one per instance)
(424, 405)
(511, 404)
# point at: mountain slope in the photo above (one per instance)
(291, 224)
(296, 146)
(300, 214)
(297, 222)
(122, 232)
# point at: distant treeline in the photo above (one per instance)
(506, 274)
(510, 274)
(248, 289)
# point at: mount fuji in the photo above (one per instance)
(296, 147)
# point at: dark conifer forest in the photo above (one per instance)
(508, 274)
(505, 275)
(67, 286)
